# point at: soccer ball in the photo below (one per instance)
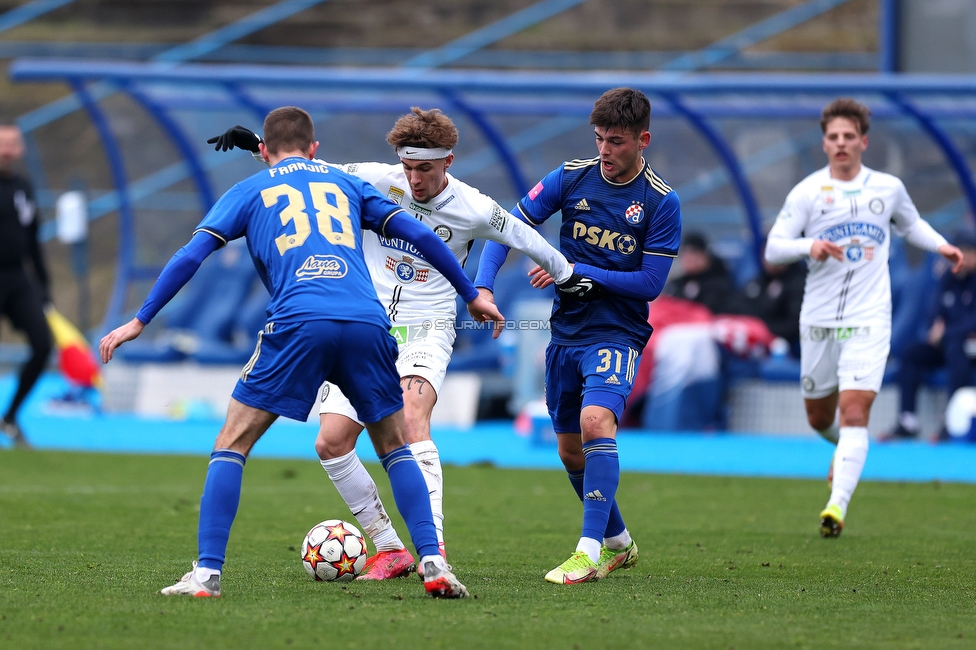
(334, 550)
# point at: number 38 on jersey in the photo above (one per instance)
(331, 215)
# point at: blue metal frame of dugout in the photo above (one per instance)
(697, 98)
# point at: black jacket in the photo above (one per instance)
(19, 220)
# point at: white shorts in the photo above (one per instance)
(425, 356)
(842, 358)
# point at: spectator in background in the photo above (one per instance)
(951, 340)
(22, 297)
(775, 297)
(704, 277)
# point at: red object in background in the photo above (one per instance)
(744, 336)
(79, 367)
(74, 355)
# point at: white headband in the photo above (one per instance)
(420, 153)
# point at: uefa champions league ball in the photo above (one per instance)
(334, 550)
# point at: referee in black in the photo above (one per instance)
(22, 297)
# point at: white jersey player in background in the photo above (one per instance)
(420, 303)
(841, 217)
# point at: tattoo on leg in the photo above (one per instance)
(409, 382)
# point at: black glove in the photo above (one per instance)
(239, 137)
(580, 288)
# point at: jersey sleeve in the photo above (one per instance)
(227, 219)
(904, 213)
(786, 243)
(496, 225)
(543, 200)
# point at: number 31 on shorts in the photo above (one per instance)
(617, 360)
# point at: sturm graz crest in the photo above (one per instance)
(443, 232)
(405, 272)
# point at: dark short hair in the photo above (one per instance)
(622, 108)
(846, 107)
(288, 128)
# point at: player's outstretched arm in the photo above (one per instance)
(512, 231)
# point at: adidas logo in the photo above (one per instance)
(613, 381)
(595, 495)
(583, 205)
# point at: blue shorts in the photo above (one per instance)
(291, 360)
(601, 374)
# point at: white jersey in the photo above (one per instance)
(857, 215)
(410, 288)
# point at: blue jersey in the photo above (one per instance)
(610, 226)
(303, 222)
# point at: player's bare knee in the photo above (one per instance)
(573, 461)
(571, 453)
(854, 416)
(820, 421)
(329, 447)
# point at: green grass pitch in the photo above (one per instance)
(86, 541)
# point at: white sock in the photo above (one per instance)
(358, 490)
(852, 451)
(831, 434)
(429, 460)
(618, 542)
(591, 547)
(202, 574)
(438, 561)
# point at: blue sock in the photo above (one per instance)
(576, 478)
(615, 523)
(412, 499)
(218, 506)
(602, 475)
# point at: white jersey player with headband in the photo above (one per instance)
(841, 218)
